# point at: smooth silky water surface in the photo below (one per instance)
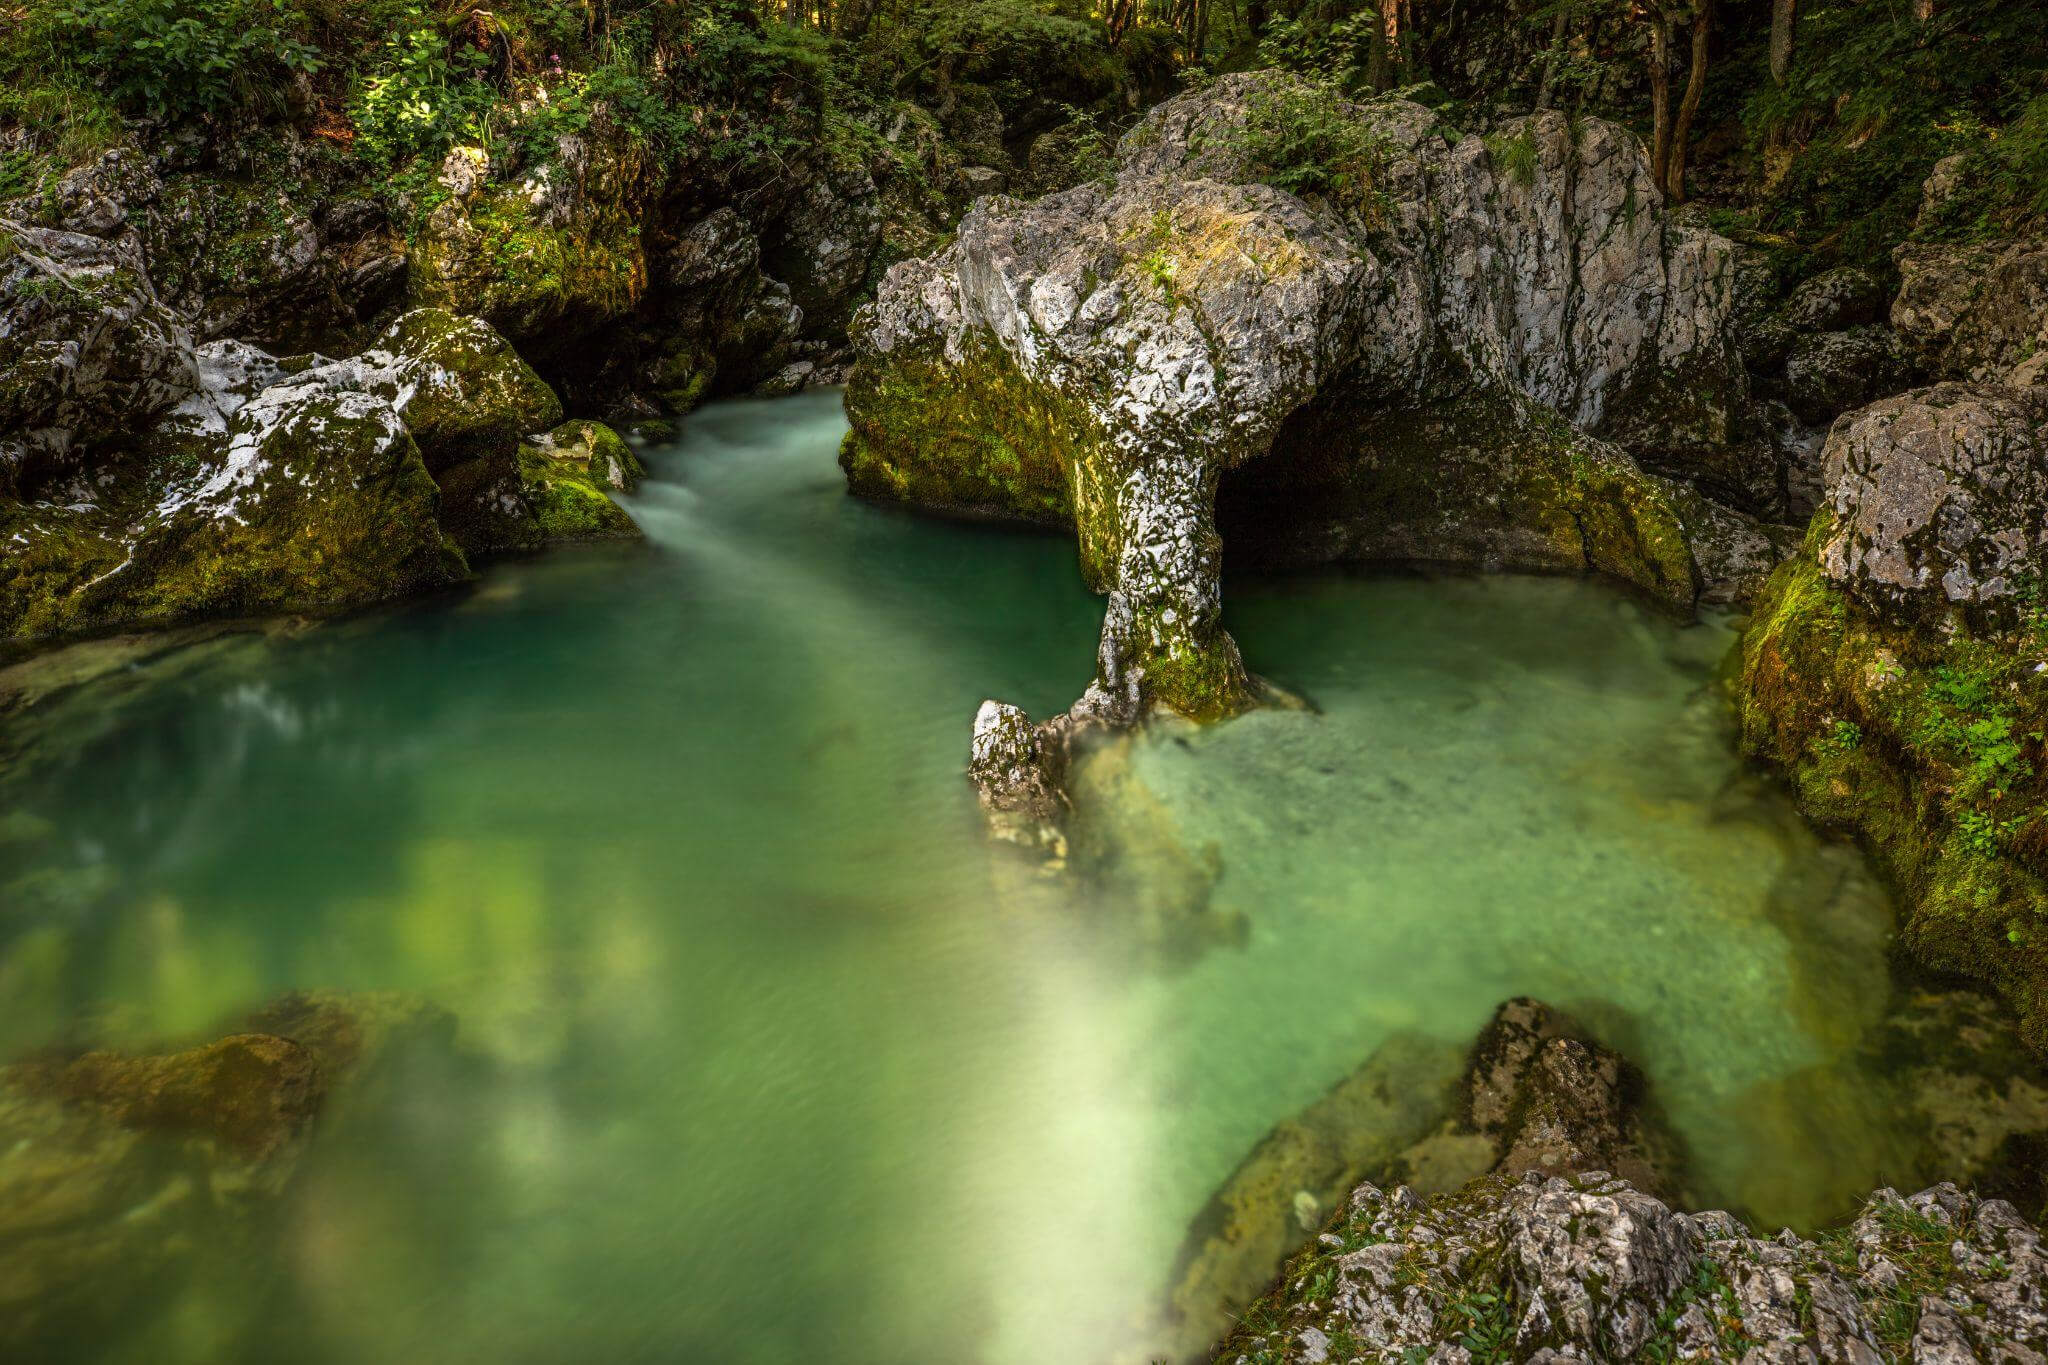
(753, 1064)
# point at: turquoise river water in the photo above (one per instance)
(753, 1065)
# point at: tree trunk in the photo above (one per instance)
(1695, 86)
(1782, 16)
(1120, 15)
(1386, 36)
(1660, 93)
(1556, 54)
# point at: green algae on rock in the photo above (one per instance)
(1922, 744)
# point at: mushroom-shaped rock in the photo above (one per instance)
(1108, 357)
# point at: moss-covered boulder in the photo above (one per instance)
(545, 261)
(554, 489)
(594, 449)
(461, 388)
(308, 497)
(1923, 742)
(1892, 669)
(1400, 365)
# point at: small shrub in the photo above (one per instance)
(1298, 136)
(1843, 737)
(1516, 155)
(418, 101)
(176, 59)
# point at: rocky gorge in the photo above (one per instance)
(1265, 324)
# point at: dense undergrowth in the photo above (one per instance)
(1825, 163)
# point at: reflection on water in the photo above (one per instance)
(753, 1063)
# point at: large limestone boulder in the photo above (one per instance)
(824, 242)
(309, 495)
(1109, 356)
(1975, 312)
(1938, 498)
(1836, 300)
(270, 485)
(461, 388)
(88, 354)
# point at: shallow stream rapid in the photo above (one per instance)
(753, 1063)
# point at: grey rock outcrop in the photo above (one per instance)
(1975, 312)
(1836, 300)
(88, 354)
(1830, 373)
(1108, 356)
(1533, 1097)
(1938, 498)
(1589, 1268)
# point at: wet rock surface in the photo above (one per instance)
(1534, 1098)
(1569, 1260)
(123, 1170)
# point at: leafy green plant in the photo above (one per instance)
(1091, 146)
(1516, 154)
(1336, 50)
(1843, 737)
(1485, 1323)
(175, 59)
(417, 101)
(1968, 716)
(1298, 136)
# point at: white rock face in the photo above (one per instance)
(87, 352)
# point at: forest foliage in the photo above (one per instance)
(1806, 122)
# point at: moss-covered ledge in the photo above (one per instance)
(1925, 744)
